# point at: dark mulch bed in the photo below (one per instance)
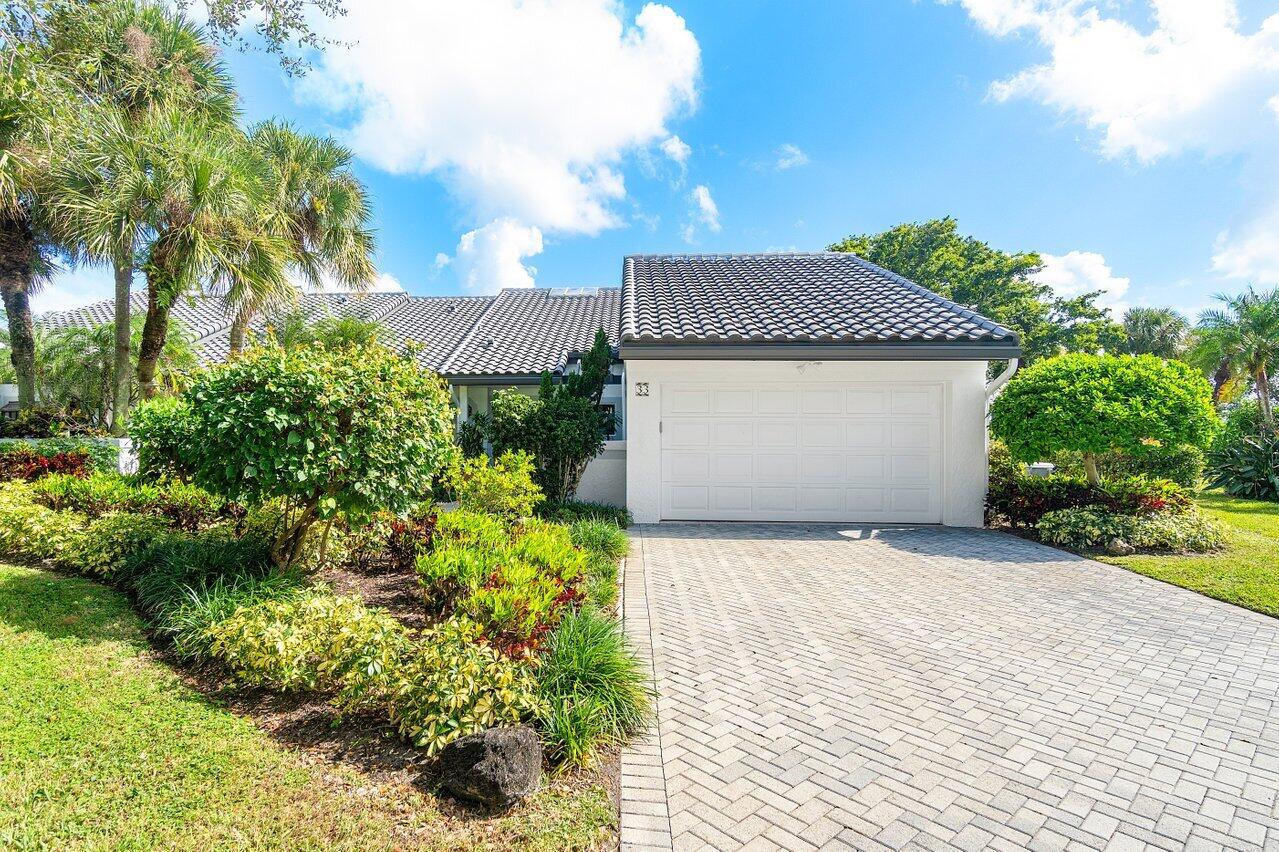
(382, 583)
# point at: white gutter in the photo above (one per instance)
(997, 384)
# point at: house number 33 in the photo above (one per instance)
(641, 388)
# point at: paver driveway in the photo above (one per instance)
(934, 688)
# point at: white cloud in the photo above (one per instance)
(1193, 80)
(492, 257)
(1251, 251)
(1078, 272)
(704, 207)
(676, 149)
(525, 109)
(74, 288)
(789, 156)
(384, 283)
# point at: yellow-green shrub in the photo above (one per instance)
(504, 488)
(448, 685)
(108, 541)
(34, 531)
(315, 641)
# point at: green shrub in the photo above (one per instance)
(319, 546)
(1249, 468)
(1241, 420)
(470, 529)
(448, 685)
(601, 581)
(186, 506)
(1182, 465)
(163, 573)
(188, 619)
(1096, 404)
(1025, 499)
(1093, 526)
(312, 641)
(469, 436)
(452, 571)
(31, 530)
(109, 540)
(162, 430)
(1001, 465)
(324, 431)
(504, 488)
(594, 689)
(567, 511)
(560, 430)
(93, 495)
(603, 537)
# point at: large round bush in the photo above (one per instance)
(1094, 404)
(324, 431)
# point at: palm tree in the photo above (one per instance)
(1155, 331)
(319, 207)
(128, 60)
(209, 189)
(1241, 341)
(77, 366)
(33, 113)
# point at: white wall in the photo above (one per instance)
(964, 418)
(605, 478)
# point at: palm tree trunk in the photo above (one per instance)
(154, 331)
(238, 328)
(1220, 377)
(123, 372)
(1262, 381)
(17, 257)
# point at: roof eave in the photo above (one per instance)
(829, 351)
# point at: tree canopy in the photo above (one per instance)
(1094, 404)
(994, 283)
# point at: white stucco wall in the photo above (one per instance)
(964, 419)
(605, 478)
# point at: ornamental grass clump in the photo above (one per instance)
(595, 691)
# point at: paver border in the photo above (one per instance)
(645, 822)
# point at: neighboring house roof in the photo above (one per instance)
(514, 335)
(775, 300)
(534, 329)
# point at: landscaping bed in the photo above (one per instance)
(284, 546)
(107, 746)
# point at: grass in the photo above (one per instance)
(102, 746)
(1245, 574)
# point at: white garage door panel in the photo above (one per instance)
(818, 452)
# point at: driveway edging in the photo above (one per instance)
(645, 818)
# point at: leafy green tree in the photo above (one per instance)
(320, 209)
(325, 431)
(1155, 331)
(1241, 342)
(563, 427)
(1095, 404)
(282, 25)
(994, 283)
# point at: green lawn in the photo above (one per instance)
(1247, 573)
(101, 746)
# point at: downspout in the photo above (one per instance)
(997, 384)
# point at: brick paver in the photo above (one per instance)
(931, 688)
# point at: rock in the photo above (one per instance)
(494, 768)
(1119, 547)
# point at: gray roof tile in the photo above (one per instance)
(823, 297)
(528, 330)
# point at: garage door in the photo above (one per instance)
(809, 452)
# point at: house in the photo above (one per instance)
(790, 387)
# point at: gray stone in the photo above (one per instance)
(1119, 547)
(494, 768)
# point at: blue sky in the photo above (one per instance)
(1132, 143)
